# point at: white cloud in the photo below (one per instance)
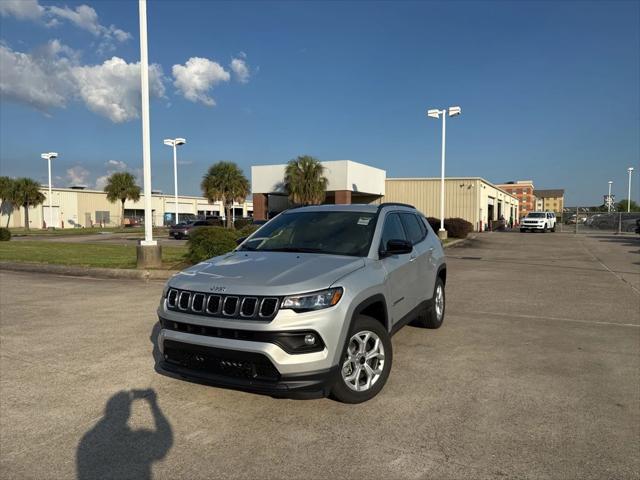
(197, 77)
(21, 9)
(117, 164)
(82, 16)
(77, 175)
(42, 79)
(101, 181)
(240, 68)
(51, 76)
(112, 89)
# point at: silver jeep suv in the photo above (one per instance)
(306, 306)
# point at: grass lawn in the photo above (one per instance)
(84, 254)
(83, 231)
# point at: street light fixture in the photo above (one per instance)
(174, 142)
(630, 170)
(609, 198)
(48, 157)
(436, 113)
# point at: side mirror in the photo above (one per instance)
(397, 247)
(240, 240)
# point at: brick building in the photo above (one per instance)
(523, 190)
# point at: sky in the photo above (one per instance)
(550, 91)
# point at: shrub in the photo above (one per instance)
(240, 223)
(208, 242)
(247, 230)
(457, 227)
(434, 222)
(5, 234)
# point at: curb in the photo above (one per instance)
(126, 273)
(459, 242)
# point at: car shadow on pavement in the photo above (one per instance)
(111, 449)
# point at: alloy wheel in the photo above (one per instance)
(364, 362)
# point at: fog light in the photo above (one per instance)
(310, 339)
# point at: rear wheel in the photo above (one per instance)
(434, 316)
(365, 363)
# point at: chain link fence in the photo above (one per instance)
(600, 222)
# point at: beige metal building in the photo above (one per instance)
(472, 198)
(73, 207)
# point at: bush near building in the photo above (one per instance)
(5, 234)
(455, 227)
(207, 242)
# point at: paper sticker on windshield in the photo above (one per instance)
(364, 220)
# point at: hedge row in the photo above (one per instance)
(5, 234)
(455, 227)
(208, 242)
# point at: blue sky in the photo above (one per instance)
(550, 91)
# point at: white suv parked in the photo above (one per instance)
(543, 221)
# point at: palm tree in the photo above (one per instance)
(27, 194)
(225, 182)
(7, 196)
(305, 181)
(122, 186)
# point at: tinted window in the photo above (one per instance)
(412, 227)
(392, 229)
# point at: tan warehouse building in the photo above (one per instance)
(472, 198)
(81, 207)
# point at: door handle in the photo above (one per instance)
(412, 258)
(430, 251)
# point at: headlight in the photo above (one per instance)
(313, 301)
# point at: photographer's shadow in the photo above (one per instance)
(111, 449)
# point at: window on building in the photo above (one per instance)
(102, 217)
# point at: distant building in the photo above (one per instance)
(551, 200)
(472, 198)
(523, 190)
(79, 206)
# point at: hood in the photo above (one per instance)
(266, 273)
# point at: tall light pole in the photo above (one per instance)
(48, 157)
(608, 199)
(436, 113)
(630, 170)
(174, 142)
(148, 252)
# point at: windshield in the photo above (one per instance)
(535, 215)
(330, 232)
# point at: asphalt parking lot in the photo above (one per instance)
(534, 374)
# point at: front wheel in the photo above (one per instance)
(365, 363)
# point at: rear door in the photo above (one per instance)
(400, 270)
(424, 271)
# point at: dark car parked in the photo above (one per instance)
(182, 230)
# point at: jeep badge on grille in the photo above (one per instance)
(217, 288)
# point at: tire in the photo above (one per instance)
(343, 390)
(545, 229)
(522, 230)
(553, 229)
(434, 316)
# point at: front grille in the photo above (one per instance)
(217, 361)
(225, 306)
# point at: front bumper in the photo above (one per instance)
(241, 370)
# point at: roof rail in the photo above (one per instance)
(395, 204)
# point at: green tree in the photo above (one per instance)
(225, 182)
(621, 206)
(7, 197)
(27, 194)
(122, 186)
(305, 181)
